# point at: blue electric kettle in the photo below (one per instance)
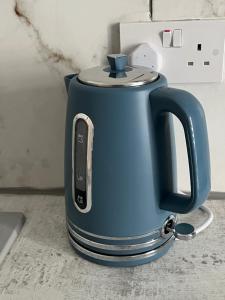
(120, 163)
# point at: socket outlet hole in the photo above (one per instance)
(199, 47)
(206, 63)
(190, 63)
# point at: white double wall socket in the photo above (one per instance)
(184, 51)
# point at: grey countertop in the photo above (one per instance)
(42, 265)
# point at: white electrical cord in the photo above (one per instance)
(207, 222)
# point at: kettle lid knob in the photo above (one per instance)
(117, 62)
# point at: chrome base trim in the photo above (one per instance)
(110, 247)
(122, 258)
(114, 238)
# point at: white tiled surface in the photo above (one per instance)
(42, 265)
(210, 95)
(187, 9)
(40, 42)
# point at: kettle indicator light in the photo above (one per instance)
(80, 178)
(80, 199)
(80, 138)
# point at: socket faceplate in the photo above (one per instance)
(199, 59)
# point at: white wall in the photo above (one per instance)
(212, 96)
(187, 9)
(40, 42)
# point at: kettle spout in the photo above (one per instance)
(67, 80)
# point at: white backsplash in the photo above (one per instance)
(212, 96)
(40, 42)
(187, 9)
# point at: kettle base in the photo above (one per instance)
(122, 260)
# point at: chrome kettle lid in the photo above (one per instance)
(117, 74)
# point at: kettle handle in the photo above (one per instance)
(190, 113)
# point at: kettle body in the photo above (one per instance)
(120, 168)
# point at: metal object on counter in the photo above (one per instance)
(186, 231)
(11, 224)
